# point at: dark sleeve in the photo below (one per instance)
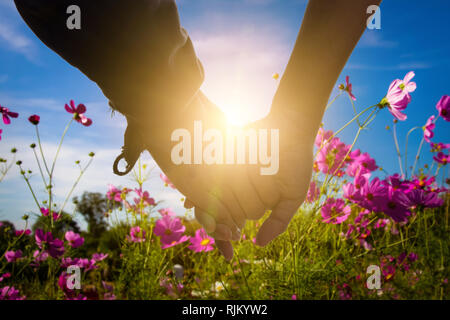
(135, 50)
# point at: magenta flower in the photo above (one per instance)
(313, 193)
(348, 87)
(87, 264)
(6, 114)
(443, 107)
(421, 198)
(428, 133)
(345, 292)
(39, 257)
(170, 230)
(442, 158)
(45, 241)
(67, 262)
(99, 256)
(45, 212)
(10, 293)
(167, 211)
(114, 193)
(5, 276)
(361, 164)
(74, 239)
(78, 113)
(413, 257)
(23, 232)
(322, 137)
(12, 256)
(439, 147)
(144, 198)
(398, 96)
(372, 194)
(201, 242)
(70, 294)
(335, 211)
(331, 158)
(1, 131)
(394, 205)
(136, 235)
(34, 119)
(166, 180)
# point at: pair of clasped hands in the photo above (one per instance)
(124, 39)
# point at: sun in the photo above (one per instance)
(237, 114)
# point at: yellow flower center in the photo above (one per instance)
(205, 242)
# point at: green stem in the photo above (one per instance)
(74, 186)
(406, 149)
(394, 133)
(417, 156)
(40, 168)
(332, 101)
(41, 150)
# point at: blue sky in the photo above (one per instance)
(241, 44)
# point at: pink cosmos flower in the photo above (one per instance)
(331, 157)
(136, 235)
(348, 87)
(45, 212)
(144, 197)
(74, 239)
(87, 264)
(393, 205)
(114, 193)
(10, 293)
(421, 198)
(39, 257)
(170, 230)
(99, 256)
(23, 232)
(381, 223)
(1, 131)
(322, 137)
(62, 283)
(428, 133)
(166, 180)
(12, 256)
(34, 119)
(45, 241)
(201, 242)
(6, 114)
(335, 211)
(167, 211)
(67, 262)
(361, 164)
(422, 182)
(398, 96)
(442, 158)
(78, 113)
(345, 291)
(313, 192)
(5, 276)
(443, 107)
(439, 147)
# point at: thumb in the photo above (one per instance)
(278, 221)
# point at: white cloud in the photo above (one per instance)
(13, 39)
(373, 39)
(16, 41)
(401, 66)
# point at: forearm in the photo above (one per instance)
(329, 33)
